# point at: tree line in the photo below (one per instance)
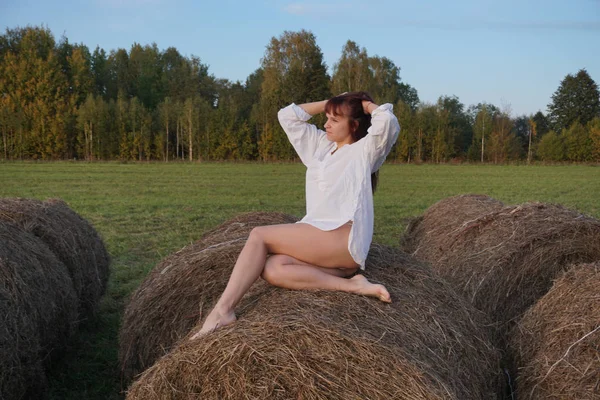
(61, 101)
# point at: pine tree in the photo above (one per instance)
(576, 99)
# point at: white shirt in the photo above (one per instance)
(338, 186)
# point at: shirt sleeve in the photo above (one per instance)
(303, 136)
(381, 135)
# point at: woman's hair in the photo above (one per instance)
(350, 105)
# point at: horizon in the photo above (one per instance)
(477, 51)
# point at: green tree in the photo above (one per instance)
(99, 71)
(458, 135)
(385, 87)
(352, 72)
(11, 40)
(103, 131)
(266, 149)
(542, 125)
(551, 147)
(503, 144)
(108, 146)
(247, 145)
(11, 125)
(577, 142)
(521, 127)
(146, 135)
(532, 134)
(81, 79)
(166, 116)
(80, 85)
(36, 87)
(356, 71)
(145, 73)
(175, 71)
(294, 71)
(192, 117)
(134, 137)
(408, 95)
(87, 119)
(576, 99)
(482, 129)
(201, 82)
(122, 121)
(441, 137)
(427, 128)
(118, 82)
(178, 116)
(594, 133)
(405, 147)
(228, 147)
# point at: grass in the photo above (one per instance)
(144, 212)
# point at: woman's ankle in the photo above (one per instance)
(222, 310)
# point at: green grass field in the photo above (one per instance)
(144, 212)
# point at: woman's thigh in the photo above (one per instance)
(277, 262)
(306, 243)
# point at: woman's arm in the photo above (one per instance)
(382, 134)
(304, 137)
(369, 106)
(314, 108)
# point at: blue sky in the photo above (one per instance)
(509, 53)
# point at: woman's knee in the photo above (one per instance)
(255, 233)
(266, 235)
(273, 270)
(259, 233)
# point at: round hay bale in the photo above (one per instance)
(36, 312)
(21, 370)
(425, 235)
(71, 238)
(556, 343)
(428, 344)
(505, 260)
(239, 227)
(181, 288)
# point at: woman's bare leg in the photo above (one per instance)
(289, 273)
(247, 269)
(301, 241)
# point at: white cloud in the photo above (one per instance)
(297, 9)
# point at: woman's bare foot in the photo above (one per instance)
(216, 319)
(367, 288)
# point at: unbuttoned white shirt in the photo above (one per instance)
(338, 185)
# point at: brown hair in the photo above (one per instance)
(350, 105)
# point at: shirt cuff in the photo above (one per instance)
(300, 113)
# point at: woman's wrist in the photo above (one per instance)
(314, 108)
(369, 106)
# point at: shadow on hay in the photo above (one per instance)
(37, 316)
(425, 235)
(505, 259)
(556, 343)
(428, 344)
(181, 288)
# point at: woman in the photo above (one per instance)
(332, 241)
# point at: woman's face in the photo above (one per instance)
(338, 129)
